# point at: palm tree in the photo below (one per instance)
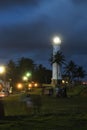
(58, 59)
(80, 73)
(70, 70)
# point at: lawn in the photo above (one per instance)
(55, 114)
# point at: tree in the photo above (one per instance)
(74, 71)
(25, 65)
(59, 58)
(80, 73)
(42, 75)
(11, 72)
(70, 70)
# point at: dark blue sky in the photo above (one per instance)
(27, 28)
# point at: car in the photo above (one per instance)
(3, 93)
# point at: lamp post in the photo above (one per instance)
(56, 69)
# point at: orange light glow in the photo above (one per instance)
(30, 85)
(35, 84)
(19, 86)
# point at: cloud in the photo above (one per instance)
(79, 2)
(27, 27)
(9, 2)
(25, 35)
(29, 40)
(70, 22)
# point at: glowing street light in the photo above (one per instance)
(25, 78)
(2, 69)
(28, 74)
(19, 86)
(2, 72)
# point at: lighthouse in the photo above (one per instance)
(56, 68)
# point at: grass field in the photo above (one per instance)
(56, 113)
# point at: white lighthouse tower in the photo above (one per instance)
(56, 68)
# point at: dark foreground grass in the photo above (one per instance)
(55, 114)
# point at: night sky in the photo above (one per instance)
(27, 28)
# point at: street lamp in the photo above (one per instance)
(2, 72)
(25, 78)
(56, 69)
(2, 69)
(28, 74)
